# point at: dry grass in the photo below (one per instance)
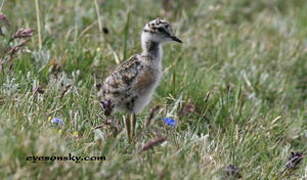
(237, 88)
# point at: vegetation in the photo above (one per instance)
(237, 89)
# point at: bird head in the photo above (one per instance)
(160, 31)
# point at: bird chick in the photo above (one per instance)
(129, 88)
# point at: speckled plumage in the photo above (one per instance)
(130, 83)
(130, 86)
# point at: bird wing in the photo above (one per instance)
(125, 75)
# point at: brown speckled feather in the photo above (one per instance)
(129, 80)
(124, 75)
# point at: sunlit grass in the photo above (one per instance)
(242, 67)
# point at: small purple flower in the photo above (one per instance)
(3, 21)
(3, 18)
(169, 121)
(57, 121)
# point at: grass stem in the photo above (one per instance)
(2, 4)
(99, 20)
(38, 25)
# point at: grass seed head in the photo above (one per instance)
(232, 171)
(294, 160)
(23, 33)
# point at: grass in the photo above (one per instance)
(242, 68)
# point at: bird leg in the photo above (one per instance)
(128, 127)
(133, 121)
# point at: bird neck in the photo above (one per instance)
(152, 49)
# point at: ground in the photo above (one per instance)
(236, 88)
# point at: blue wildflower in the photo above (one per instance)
(169, 121)
(57, 121)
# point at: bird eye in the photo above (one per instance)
(166, 26)
(161, 29)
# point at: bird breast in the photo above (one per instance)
(147, 79)
(146, 83)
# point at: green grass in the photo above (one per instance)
(242, 65)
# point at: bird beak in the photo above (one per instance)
(174, 38)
